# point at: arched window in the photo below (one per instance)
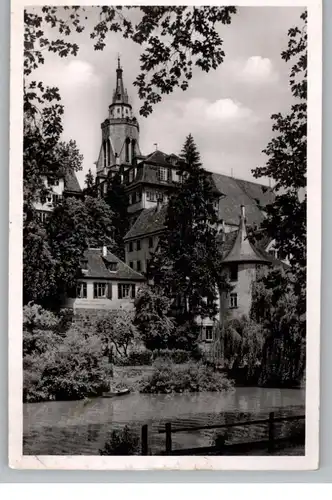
(133, 150)
(127, 157)
(108, 151)
(104, 153)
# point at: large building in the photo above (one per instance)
(106, 283)
(66, 185)
(149, 180)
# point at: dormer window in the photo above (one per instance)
(112, 266)
(84, 264)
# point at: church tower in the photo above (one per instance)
(120, 133)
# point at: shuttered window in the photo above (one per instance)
(126, 291)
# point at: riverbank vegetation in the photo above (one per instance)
(168, 378)
(60, 360)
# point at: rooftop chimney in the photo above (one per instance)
(104, 251)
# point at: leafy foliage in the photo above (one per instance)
(187, 263)
(89, 185)
(45, 156)
(117, 200)
(53, 252)
(59, 363)
(152, 317)
(122, 442)
(39, 281)
(177, 356)
(193, 377)
(117, 330)
(287, 164)
(275, 306)
(175, 40)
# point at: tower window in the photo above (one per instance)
(105, 153)
(233, 301)
(133, 149)
(209, 333)
(151, 196)
(127, 150)
(108, 152)
(234, 272)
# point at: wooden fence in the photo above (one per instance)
(268, 444)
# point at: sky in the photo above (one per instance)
(228, 110)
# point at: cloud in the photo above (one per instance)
(78, 74)
(72, 77)
(256, 70)
(227, 109)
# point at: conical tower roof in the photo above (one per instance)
(120, 95)
(242, 250)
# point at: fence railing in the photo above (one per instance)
(269, 444)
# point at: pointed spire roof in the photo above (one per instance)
(120, 95)
(242, 250)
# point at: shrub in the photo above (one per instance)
(192, 377)
(177, 356)
(71, 368)
(185, 337)
(139, 357)
(122, 442)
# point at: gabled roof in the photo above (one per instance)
(97, 267)
(147, 171)
(71, 182)
(160, 158)
(241, 249)
(238, 192)
(149, 221)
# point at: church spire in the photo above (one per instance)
(120, 95)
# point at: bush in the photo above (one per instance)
(176, 356)
(138, 357)
(70, 368)
(193, 377)
(122, 442)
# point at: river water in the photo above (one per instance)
(80, 427)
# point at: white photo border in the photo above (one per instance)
(314, 171)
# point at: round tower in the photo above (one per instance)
(120, 131)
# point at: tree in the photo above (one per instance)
(39, 281)
(287, 164)
(53, 252)
(153, 317)
(175, 39)
(90, 186)
(72, 227)
(45, 156)
(187, 264)
(117, 200)
(275, 308)
(117, 331)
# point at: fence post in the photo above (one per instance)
(168, 429)
(144, 441)
(271, 433)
